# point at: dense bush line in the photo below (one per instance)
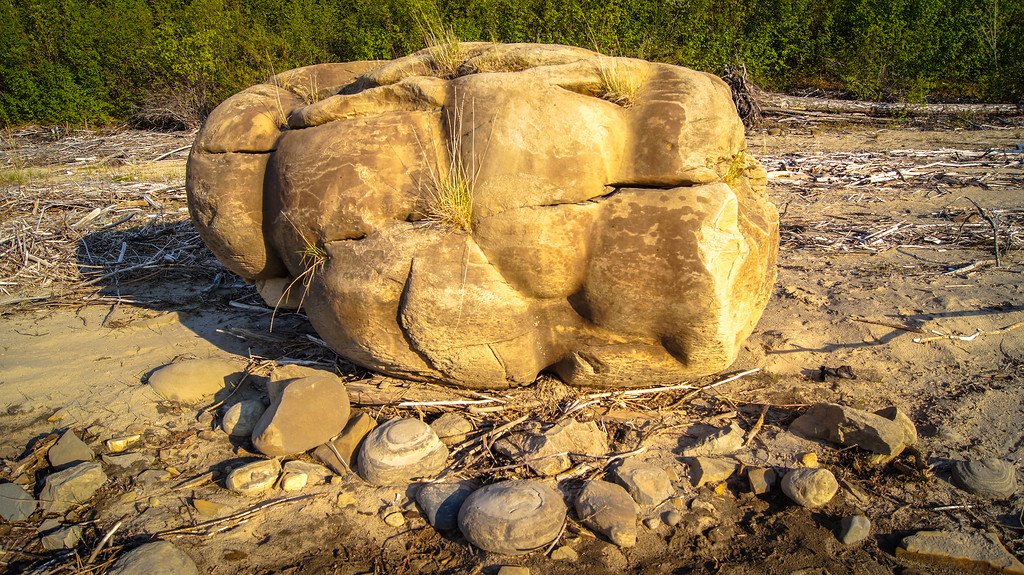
(99, 61)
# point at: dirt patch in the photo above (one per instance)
(881, 246)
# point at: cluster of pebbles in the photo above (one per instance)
(304, 412)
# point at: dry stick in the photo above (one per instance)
(988, 217)
(887, 324)
(977, 333)
(757, 426)
(189, 530)
(103, 542)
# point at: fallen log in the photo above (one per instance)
(781, 103)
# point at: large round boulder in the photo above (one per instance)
(529, 208)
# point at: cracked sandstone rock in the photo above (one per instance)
(614, 245)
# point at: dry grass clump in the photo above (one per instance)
(443, 46)
(618, 86)
(451, 186)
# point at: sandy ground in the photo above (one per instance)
(880, 246)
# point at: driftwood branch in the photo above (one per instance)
(771, 102)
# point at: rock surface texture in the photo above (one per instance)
(976, 551)
(157, 558)
(308, 412)
(399, 451)
(512, 517)
(588, 206)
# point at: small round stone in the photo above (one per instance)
(853, 529)
(240, 419)
(673, 518)
(990, 477)
(810, 486)
(512, 517)
(399, 451)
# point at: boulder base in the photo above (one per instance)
(582, 210)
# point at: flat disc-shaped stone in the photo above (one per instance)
(512, 517)
(989, 477)
(400, 450)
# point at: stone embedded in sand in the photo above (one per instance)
(852, 427)
(810, 487)
(452, 428)
(309, 411)
(16, 504)
(69, 450)
(608, 509)
(241, 417)
(157, 558)
(708, 470)
(990, 477)
(547, 453)
(281, 293)
(254, 478)
(565, 553)
(721, 442)
(512, 517)
(195, 380)
(441, 502)
(646, 483)
(346, 444)
(854, 529)
(761, 479)
(74, 485)
(957, 549)
(399, 451)
(899, 417)
(513, 570)
(589, 218)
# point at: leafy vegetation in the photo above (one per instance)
(101, 61)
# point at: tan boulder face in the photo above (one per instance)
(607, 224)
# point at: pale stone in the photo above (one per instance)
(761, 480)
(721, 442)
(282, 293)
(399, 451)
(609, 510)
(810, 487)
(346, 444)
(69, 450)
(315, 474)
(452, 428)
(157, 558)
(576, 253)
(512, 517)
(63, 538)
(119, 444)
(16, 504)
(565, 553)
(852, 427)
(707, 470)
(958, 549)
(210, 509)
(309, 411)
(647, 483)
(441, 502)
(394, 518)
(195, 380)
(546, 453)
(672, 518)
(294, 481)
(74, 485)
(254, 478)
(513, 570)
(125, 460)
(241, 417)
(854, 529)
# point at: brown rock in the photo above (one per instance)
(575, 251)
(309, 412)
(452, 428)
(972, 550)
(346, 444)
